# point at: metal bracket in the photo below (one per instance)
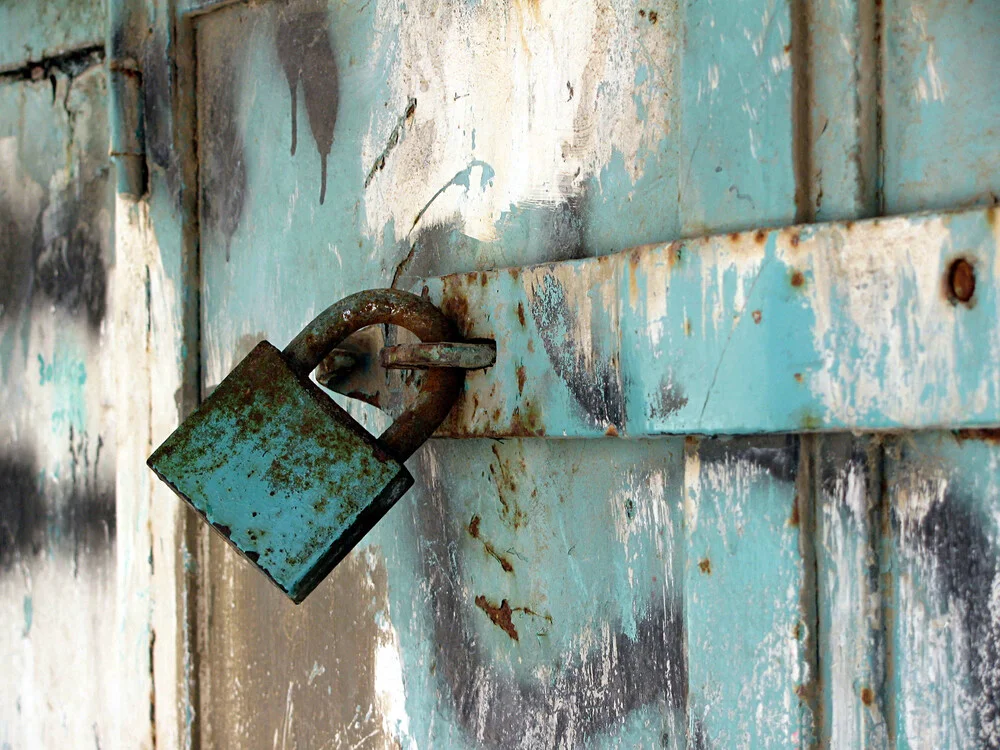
(128, 136)
(887, 324)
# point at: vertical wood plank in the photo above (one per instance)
(749, 593)
(941, 552)
(938, 150)
(848, 491)
(839, 107)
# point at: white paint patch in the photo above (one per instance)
(853, 609)
(390, 694)
(549, 88)
(874, 290)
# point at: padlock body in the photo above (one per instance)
(288, 477)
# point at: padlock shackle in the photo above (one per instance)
(440, 386)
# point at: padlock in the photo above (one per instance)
(287, 476)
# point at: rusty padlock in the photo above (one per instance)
(287, 476)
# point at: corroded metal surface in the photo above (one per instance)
(284, 473)
(867, 325)
(281, 471)
(465, 355)
(386, 306)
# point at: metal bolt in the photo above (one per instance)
(961, 280)
(465, 355)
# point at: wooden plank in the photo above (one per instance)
(939, 551)
(748, 593)
(749, 590)
(58, 528)
(847, 486)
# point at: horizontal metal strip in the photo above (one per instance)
(856, 326)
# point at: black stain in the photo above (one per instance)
(589, 693)
(70, 270)
(22, 510)
(19, 244)
(540, 233)
(777, 455)
(592, 380)
(223, 169)
(668, 400)
(303, 45)
(57, 255)
(156, 91)
(955, 537)
(37, 515)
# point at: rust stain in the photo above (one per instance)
(760, 236)
(533, 613)
(473, 529)
(795, 518)
(706, 566)
(867, 696)
(798, 377)
(961, 281)
(797, 278)
(456, 307)
(810, 422)
(687, 326)
(675, 253)
(633, 284)
(612, 431)
(500, 615)
(502, 475)
(989, 435)
(521, 378)
(757, 316)
(520, 313)
(795, 239)
(527, 424)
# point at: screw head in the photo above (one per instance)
(961, 280)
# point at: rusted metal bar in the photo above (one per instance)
(464, 355)
(880, 325)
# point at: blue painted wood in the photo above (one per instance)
(638, 124)
(939, 551)
(59, 527)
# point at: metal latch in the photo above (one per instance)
(885, 324)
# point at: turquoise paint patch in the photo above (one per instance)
(61, 370)
(29, 614)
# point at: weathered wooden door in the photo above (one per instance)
(779, 591)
